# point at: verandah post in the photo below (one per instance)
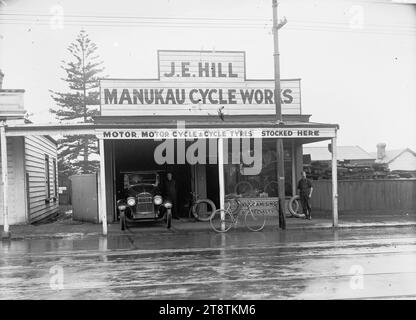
(103, 198)
(4, 179)
(334, 182)
(221, 177)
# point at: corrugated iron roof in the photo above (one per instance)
(343, 153)
(392, 154)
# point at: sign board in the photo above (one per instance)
(267, 205)
(184, 133)
(203, 66)
(12, 103)
(197, 83)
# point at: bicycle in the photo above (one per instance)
(200, 209)
(223, 219)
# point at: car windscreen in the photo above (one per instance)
(143, 188)
(138, 178)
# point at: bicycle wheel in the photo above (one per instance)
(272, 189)
(221, 225)
(203, 209)
(294, 207)
(255, 221)
(243, 187)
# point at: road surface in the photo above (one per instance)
(293, 264)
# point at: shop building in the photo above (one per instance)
(30, 170)
(203, 120)
(200, 100)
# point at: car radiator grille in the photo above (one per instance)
(144, 204)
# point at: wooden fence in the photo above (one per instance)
(65, 195)
(381, 195)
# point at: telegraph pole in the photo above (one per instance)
(279, 120)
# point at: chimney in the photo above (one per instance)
(381, 150)
(1, 79)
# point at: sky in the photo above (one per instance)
(356, 59)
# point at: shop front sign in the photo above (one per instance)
(197, 83)
(215, 133)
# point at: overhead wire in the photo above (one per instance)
(194, 19)
(199, 22)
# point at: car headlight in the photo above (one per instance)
(131, 201)
(157, 200)
(168, 204)
(122, 207)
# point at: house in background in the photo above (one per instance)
(351, 154)
(32, 166)
(397, 160)
(353, 163)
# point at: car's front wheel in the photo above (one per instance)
(169, 218)
(123, 220)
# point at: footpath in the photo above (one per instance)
(67, 228)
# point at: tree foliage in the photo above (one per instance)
(78, 154)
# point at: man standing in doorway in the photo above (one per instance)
(305, 193)
(171, 194)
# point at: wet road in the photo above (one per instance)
(312, 264)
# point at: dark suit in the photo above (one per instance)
(304, 186)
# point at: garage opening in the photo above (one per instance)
(138, 156)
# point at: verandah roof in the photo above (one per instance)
(153, 123)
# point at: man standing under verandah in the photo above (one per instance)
(305, 193)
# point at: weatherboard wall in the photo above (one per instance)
(39, 204)
(16, 183)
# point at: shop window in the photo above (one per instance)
(47, 178)
(261, 182)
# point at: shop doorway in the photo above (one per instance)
(138, 155)
(182, 176)
(213, 192)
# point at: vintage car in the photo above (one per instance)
(141, 199)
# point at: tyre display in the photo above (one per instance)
(203, 209)
(295, 207)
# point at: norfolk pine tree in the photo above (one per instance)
(76, 153)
